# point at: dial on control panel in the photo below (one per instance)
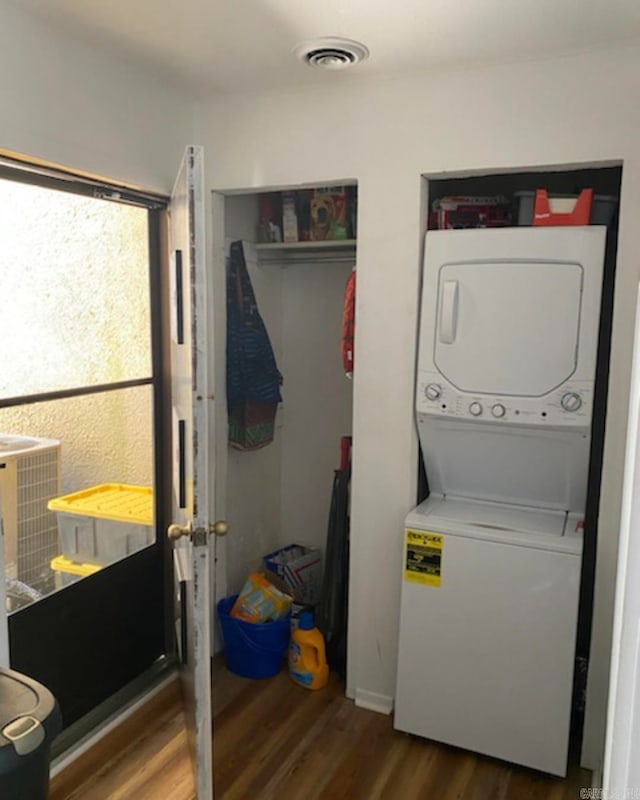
(475, 409)
(571, 401)
(498, 410)
(432, 391)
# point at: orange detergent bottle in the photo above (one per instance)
(307, 657)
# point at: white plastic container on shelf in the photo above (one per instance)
(105, 523)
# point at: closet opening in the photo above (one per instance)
(511, 200)
(290, 258)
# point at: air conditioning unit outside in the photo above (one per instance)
(29, 478)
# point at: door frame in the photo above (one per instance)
(215, 260)
(623, 713)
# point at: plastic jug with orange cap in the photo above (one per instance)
(307, 656)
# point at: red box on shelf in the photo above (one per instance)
(579, 215)
(469, 212)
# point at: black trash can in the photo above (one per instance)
(29, 721)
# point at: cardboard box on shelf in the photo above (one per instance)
(269, 229)
(469, 212)
(304, 214)
(301, 569)
(289, 217)
(329, 214)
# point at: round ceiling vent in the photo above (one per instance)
(331, 53)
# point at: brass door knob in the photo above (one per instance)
(220, 528)
(176, 531)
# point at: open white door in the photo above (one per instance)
(622, 749)
(192, 430)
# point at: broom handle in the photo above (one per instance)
(345, 452)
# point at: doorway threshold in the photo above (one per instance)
(90, 729)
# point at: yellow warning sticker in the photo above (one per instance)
(423, 557)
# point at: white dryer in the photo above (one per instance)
(491, 564)
(508, 341)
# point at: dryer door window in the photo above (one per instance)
(508, 328)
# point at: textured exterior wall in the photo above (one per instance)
(74, 286)
(75, 272)
(105, 438)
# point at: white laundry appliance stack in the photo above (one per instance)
(492, 559)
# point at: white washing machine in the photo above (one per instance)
(491, 564)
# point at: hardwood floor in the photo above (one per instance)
(277, 741)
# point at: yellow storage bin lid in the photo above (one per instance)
(62, 564)
(114, 501)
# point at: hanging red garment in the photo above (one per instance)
(349, 324)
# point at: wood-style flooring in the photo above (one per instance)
(276, 741)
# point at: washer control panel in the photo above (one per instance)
(570, 404)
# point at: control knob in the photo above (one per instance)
(432, 391)
(571, 401)
(498, 410)
(475, 409)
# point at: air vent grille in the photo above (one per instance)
(331, 53)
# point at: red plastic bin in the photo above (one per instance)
(580, 215)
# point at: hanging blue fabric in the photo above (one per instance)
(253, 378)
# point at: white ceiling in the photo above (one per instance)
(229, 45)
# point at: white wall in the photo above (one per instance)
(318, 397)
(73, 104)
(253, 477)
(567, 111)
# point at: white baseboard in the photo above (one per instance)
(373, 701)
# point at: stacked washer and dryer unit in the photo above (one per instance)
(492, 559)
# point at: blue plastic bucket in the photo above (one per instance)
(252, 650)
